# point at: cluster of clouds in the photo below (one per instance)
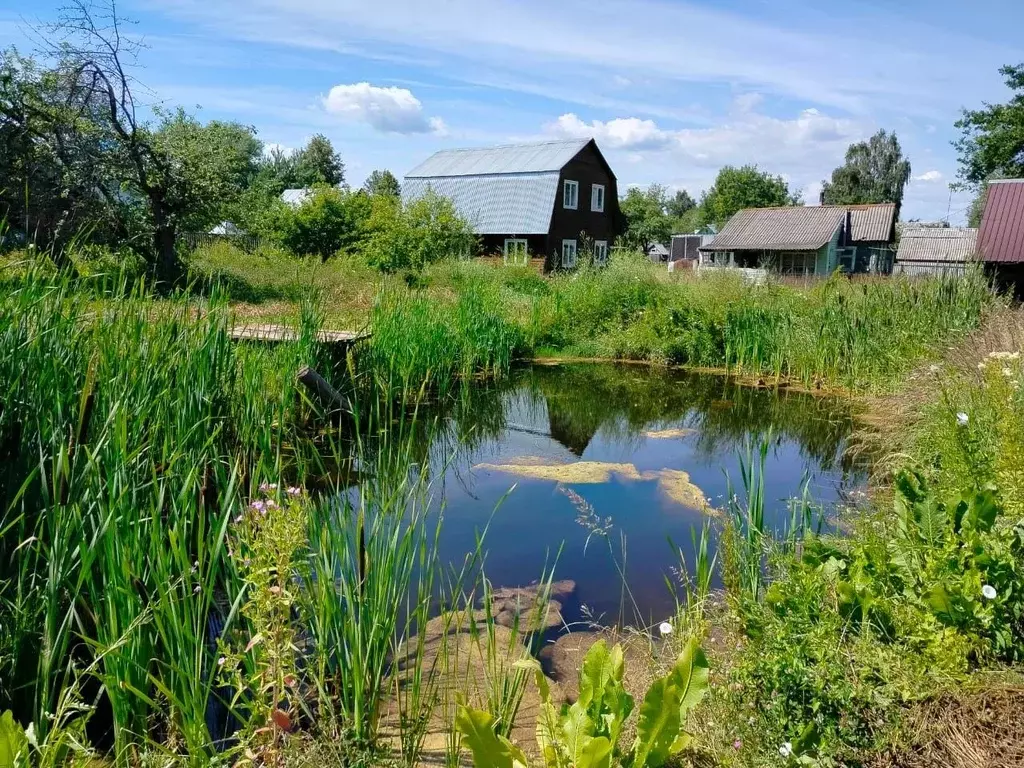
(385, 109)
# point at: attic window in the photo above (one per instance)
(570, 194)
(597, 198)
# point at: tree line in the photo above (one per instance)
(82, 158)
(874, 171)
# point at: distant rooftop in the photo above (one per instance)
(937, 244)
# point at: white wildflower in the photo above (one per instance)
(962, 419)
(933, 368)
(989, 592)
(786, 749)
(981, 366)
(1007, 373)
(665, 628)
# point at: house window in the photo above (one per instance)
(796, 263)
(568, 254)
(600, 252)
(516, 251)
(570, 194)
(847, 258)
(597, 198)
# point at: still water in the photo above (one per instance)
(632, 449)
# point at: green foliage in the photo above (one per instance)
(647, 221)
(13, 742)
(487, 747)
(992, 138)
(679, 204)
(213, 164)
(382, 183)
(329, 221)
(875, 171)
(99, 261)
(746, 187)
(317, 163)
(588, 733)
(411, 236)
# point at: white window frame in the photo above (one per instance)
(568, 262)
(601, 252)
(519, 255)
(597, 198)
(570, 194)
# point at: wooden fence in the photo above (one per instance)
(193, 240)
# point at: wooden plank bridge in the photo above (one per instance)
(275, 334)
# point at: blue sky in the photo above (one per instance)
(671, 90)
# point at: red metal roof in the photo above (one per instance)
(1001, 237)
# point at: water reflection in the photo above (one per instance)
(640, 445)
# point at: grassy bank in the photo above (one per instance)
(864, 334)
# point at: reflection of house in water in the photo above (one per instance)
(567, 431)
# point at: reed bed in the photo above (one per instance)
(191, 562)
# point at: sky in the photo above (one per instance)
(671, 90)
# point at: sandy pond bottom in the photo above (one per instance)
(644, 454)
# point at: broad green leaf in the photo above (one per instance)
(13, 742)
(690, 674)
(940, 603)
(596, 754)
(577, 730)
(657, 727)
(489, 750)
(595, 673)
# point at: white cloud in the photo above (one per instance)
(747, 102)
(389, 110)
(620, 133)
(929, 176)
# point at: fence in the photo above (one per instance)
(193, 240)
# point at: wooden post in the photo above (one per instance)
(319, 386)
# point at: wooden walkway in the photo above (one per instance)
(273, 334)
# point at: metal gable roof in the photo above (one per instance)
(514, 204)
(547, 156)
(1001, 237)
(792, 228)
(937, 244)
(872, 223)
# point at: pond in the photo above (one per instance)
(554, 451)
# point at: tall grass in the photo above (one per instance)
(133, 435)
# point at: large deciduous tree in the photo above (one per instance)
(746, 187)
(647, 221)
(213, 165)
(875, 171)
(991, 142)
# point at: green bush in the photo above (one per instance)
(329, 221)
(411, 236)
(95, 261)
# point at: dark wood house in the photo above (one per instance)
(548, 204)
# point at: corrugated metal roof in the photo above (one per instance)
(539, 157)
(518, 204)
(296, 196)
(793, 228)
(872, 223)
(1001, 237)
(935, 244)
